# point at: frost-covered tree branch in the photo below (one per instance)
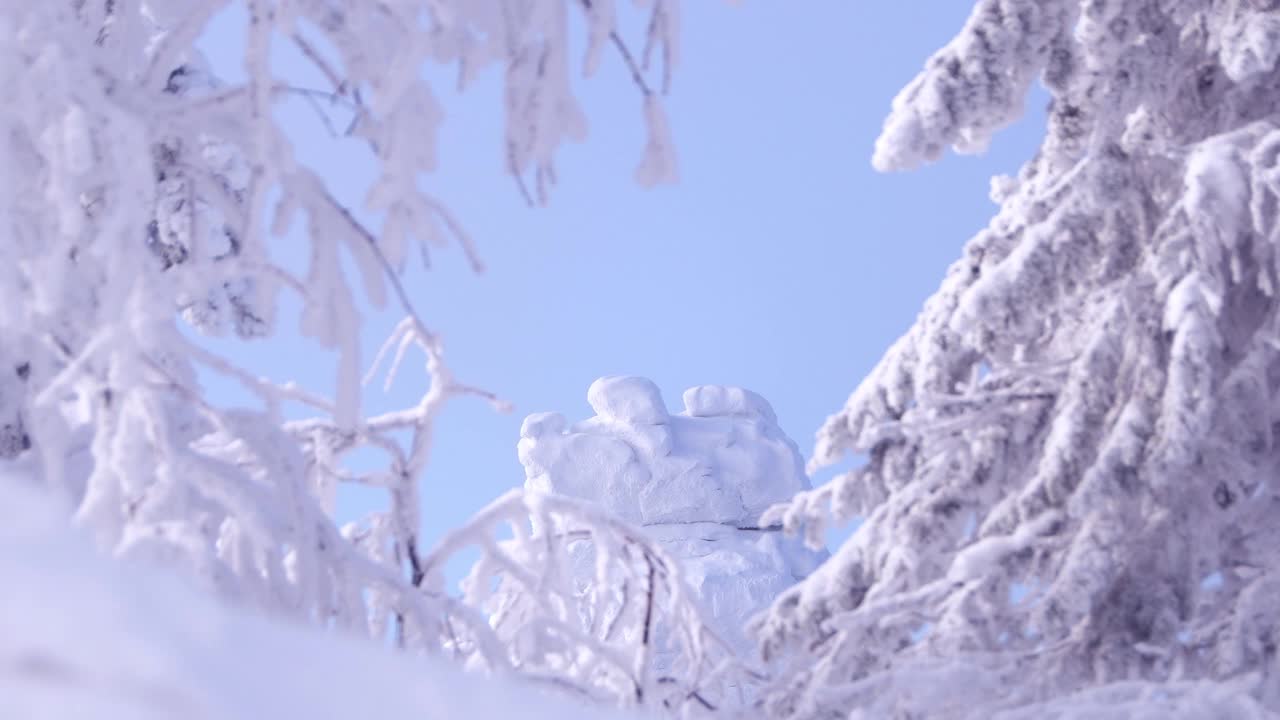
(600, 637)
(1067, 463)
(141, 199)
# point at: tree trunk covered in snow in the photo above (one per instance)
(1069, 486)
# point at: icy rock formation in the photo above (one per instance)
(697, 482)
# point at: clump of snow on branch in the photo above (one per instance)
(1065, 468)
(138, 193)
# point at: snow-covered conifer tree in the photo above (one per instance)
(1068, 465)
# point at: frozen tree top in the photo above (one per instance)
(722, 460)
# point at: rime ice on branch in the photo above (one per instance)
(696, 482)
(141, 199)
(1069, 487)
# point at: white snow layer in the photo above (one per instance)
(697, 482)
(86, 637)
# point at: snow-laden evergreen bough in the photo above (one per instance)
(137, 193)
(1067, 466)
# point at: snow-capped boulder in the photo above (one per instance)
(698, 481)
(722, 460)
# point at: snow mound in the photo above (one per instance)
(723, 460)
(85, 637)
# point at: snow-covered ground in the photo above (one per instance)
(85, 637)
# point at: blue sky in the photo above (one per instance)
(781, 261)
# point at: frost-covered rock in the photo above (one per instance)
(698, 482)
(630, 400)
(713, 400)
(722, 460)
(736, 572)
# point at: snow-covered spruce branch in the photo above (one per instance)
(1068, 481)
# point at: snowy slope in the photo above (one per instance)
(85, 637)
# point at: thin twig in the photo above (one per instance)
(637, 74)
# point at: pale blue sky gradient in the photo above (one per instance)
(781, 262)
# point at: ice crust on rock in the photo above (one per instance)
(718, 400)
(697, 481)
(723, 460)
(736, 573)
(631, 400)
